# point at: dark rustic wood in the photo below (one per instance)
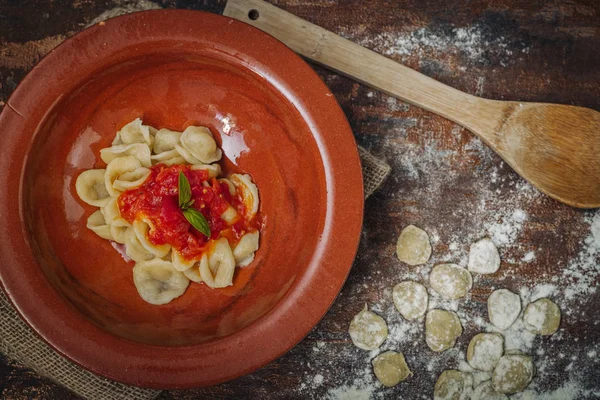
(550, 52)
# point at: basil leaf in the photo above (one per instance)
(184, 189)
(197, 220)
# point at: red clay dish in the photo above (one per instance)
(274, 118)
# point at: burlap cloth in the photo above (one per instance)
(20, 343)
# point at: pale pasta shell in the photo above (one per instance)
(168, 158)
(230, 185)
(118, 167)
(134, 249)
(96, 223)
(248, 191)
(120, 233)
(165, 140)
(213, 169)
(135, 132)
(141, 228)
(230, 216)
(218, 264)
(112, 215)
(158, 282)
(132, 179)
(187, 156)
(193, 274)
(180, 263)
(199, 141)
(91, 187)
(244, 250)
(141, 151)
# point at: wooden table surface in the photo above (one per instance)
(443, 180)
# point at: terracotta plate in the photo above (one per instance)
(274, 119)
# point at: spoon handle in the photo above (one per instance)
(334, 52)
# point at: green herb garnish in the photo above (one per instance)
(192, 215)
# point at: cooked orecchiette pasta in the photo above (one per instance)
(141, 227)
(118, 167)
(141, 151)
(213, 169)
(248, 191)
(217, 264)
(173, 236)
(200, 143)
(91, 187)
(165, 140)
(169, 157)
(134, 132)
(131, 179)
(96, 223)
(244, 250)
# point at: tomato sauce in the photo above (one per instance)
(157, 200)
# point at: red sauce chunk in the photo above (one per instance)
(157, 201)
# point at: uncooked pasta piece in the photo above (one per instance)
(158, 282)
(180, 263)
(165, 140)
(486, 391)
(116, 168)
(484, 351)
(542, 317)
(248, 191)
(413, 247)
(244, 250)
(503, 308)
(141, 227)
(453, 385)
(368, 330)
(513, 373)
(442, 328)
(141, 151)
(132, 179)
(390, 368)
(451, 281)
(484, 257)
(410, 299)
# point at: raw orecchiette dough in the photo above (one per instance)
(212, 169)
(542, 317)
(248, 191)
(486, 391)
(141, 151)
(484, 257)
(96, 223)
(413, 247)
(158, 282)
(410, 299)
(134, 249)
(180, 263)
(218, 264)
(141, 227)
(244, 250)
(451, 281)
(134, 132)
(442, 328)
(112, 215)
(512, 373)
(453, 385)
(503, 308)
(198, 140)
(168, 157)
(116, 168)
(390, 368)
(368, 330)
(91, 188)
(131, 179)
(165, 140)
(484, 351)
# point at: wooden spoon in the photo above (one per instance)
(555, 147)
